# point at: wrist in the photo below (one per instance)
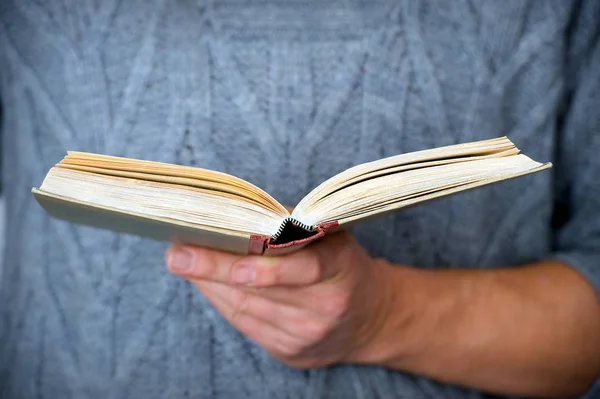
(400, 332)
(422, 315)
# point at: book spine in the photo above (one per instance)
(296, 223)
(257, 244)
(292, 246)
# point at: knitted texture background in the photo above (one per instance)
(284, 94)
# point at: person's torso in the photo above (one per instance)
(284, 95)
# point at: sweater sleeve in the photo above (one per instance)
(577, 170)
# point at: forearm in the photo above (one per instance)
(528, 331)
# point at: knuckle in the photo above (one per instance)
(314, 272)
(315, 331)
(312, 269)
(337, 305)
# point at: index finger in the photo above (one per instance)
(307, 266)
(198, 263)
(315, 263)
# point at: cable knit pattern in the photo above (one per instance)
(284, 94)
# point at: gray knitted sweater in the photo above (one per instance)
(283, 94)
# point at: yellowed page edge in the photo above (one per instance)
(346, 222)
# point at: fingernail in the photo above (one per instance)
(180, 259)
(244, 275)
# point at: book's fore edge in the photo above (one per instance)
(159, 229)
(344, 223)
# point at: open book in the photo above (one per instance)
(207, 208)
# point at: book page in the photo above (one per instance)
(452, 153)
(410, 178)
(192, 205)
(170, 173)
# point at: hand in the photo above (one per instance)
(324, 304)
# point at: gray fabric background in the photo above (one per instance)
(283, 94)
